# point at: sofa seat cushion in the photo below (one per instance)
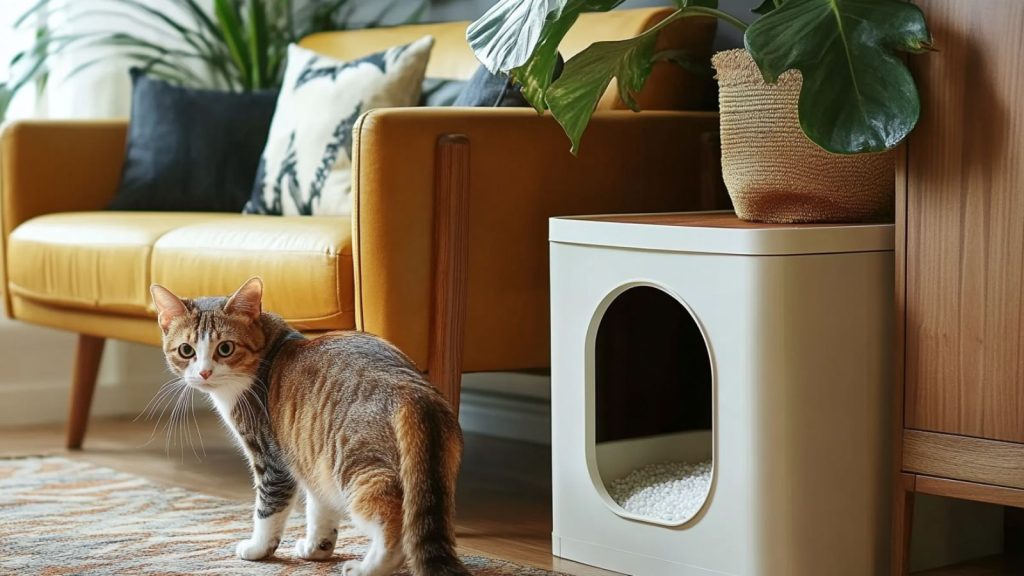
(96, 260)
(305, 263)
(106, 261)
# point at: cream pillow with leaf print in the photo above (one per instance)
(306, 166)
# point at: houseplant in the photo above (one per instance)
(236, 45)
(857, 96)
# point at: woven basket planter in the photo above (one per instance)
(774, 173)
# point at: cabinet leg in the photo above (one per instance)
(902, 523)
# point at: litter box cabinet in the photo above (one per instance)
(764, 349)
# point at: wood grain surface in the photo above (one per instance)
(963, 458)
(965, 225)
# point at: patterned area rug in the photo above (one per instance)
(62, 517)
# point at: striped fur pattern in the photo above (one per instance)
(347, 419)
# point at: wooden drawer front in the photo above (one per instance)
(963, 458)
(964, 211)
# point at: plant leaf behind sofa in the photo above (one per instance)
(445, 255)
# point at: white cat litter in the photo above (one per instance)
(669, 491)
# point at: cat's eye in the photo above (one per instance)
(186, 351)
(225, 349)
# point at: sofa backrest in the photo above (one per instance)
(670, 87)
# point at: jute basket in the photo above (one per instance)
(774, 173)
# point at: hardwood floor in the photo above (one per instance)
(504, 498)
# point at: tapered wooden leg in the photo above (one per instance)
(83, 383)
(902, 523)
(451, 257)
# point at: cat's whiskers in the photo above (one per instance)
(192, 406)
(167, 398)
(165, 388)
(259, 400)
(172, 423)
(185, 428)
(253, 419)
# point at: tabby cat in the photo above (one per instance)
(345, 417)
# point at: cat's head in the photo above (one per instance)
(212, 342)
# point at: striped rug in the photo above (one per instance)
(64, 517)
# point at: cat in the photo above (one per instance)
(346, 417)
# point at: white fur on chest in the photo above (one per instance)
(225, 397)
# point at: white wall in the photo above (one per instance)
(36, 377)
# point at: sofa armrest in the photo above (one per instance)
(520, 174)
(55, 166)
(58, 166)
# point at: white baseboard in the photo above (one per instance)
(45, 402)
(36, 379)
(506, 416)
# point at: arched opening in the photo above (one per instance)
(653, 407)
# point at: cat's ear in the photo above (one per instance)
(167, 304)
(247, 300)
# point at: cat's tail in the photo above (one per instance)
(430, 448)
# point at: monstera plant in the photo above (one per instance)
(857, 95)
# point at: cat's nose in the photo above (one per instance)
(205, 374)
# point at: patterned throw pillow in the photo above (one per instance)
(306, 167)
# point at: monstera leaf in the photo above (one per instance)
(521, 38)
(574, 96)
(857, 94)
(535, 75)
(505, 36)
(765, 7)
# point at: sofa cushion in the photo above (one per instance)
(305, 263)
(106, 261)
(191, 150)
(89, 259)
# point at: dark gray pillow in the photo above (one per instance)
(191, 150)
(490, 90)
(441, 91)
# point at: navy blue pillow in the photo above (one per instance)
(497, 90)
(490, 90)
(191, 150)
(441, 91)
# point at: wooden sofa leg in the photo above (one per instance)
(451, 258)
(87, 366)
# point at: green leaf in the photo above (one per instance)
(6, 95)
(704, 3)
(765, 7)
(506, 35)
(535, 75)
(230, 23)
(685, 59)
(574, 96)
(258, 35)
(858, 95)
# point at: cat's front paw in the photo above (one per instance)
(254, 550)
(314, 549)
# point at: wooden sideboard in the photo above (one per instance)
(960, 266)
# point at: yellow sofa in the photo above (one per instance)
(447, 245)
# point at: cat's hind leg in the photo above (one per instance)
(321, 529)
(375, 506)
